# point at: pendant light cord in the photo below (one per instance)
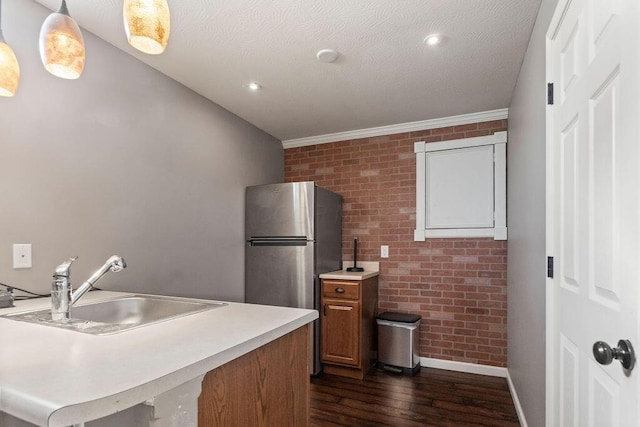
(63, 8)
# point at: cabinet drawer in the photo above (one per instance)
(341, 289)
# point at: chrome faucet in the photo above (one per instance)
(62, 297)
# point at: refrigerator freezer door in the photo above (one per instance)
(280, 210)
(280, 275)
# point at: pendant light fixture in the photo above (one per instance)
(9, 69)
(61, 45)
(147, 24)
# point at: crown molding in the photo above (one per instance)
(463, 119)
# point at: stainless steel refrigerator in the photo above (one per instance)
(294, 233)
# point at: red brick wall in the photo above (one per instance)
(457, 285)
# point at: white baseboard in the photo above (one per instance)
(516, 401)
(471, 368)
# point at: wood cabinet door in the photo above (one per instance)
(341, 332)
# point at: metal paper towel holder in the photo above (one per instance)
(355, 267)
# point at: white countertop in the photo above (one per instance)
(54, 377)
(349, 275)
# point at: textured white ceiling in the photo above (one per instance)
(385, 74)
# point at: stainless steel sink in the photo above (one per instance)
(120, 314)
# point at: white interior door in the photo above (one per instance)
(592, 203)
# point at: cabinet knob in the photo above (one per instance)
(340, 290)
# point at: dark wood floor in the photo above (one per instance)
(433, 397)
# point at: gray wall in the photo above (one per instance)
(123, 161)
(526, 212)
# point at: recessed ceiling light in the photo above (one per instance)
(327, 55)
(253, 86)
(433, 39)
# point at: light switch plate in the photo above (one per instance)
(22, 255)
(384, 251)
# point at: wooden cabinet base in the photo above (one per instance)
(266, 387)
(344, 371)
(349, 342)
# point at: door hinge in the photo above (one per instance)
(550, 267)
(549, 93)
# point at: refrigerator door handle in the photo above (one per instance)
(278, 241)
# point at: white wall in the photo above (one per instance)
(123, 161)
(526, 215)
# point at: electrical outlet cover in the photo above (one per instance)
(384, 251)
(22, 255)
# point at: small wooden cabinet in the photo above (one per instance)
(348, 326)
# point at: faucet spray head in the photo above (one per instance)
(117, 263)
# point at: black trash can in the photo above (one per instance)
(399, 342)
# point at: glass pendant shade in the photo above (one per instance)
(61, 45)
(147, 24)
(9, 69)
